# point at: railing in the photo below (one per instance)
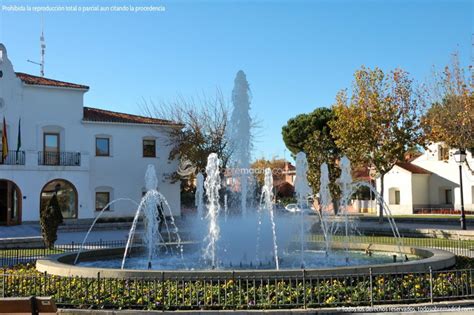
(14, 256)
(457, 247)
(14, 158)
(233, 291)
(59, 158)
(440, 211)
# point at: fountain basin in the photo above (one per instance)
(62, 265)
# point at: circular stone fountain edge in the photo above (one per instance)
(61, 265)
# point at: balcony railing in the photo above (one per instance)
(59, 158)
(14, 158)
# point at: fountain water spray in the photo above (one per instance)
(226, 208)
(387, 212)
(345, 182)
(199, 197)
(95, 221)
(325, 202)
(267, 194)
(303, 191)
(212, 185)
(153, 206)
(240, 138)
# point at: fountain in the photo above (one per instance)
(325, 202)
(212, 184)
(199, 198)
(240, 137)
(262, 240)
(152, 206)
(303, 191)
(267, 196)
(228, 245)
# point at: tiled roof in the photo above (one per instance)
(412, 168)
(101, 115)
(361, 173)
(35, 80)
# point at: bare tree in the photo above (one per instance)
(205, 122)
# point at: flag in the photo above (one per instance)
(4, 140)
(18, 142)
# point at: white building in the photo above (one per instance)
(87, 156)
(430, 183)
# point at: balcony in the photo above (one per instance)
(59, 158)
(14, 158)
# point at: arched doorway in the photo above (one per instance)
(67, 197)
(10, 203)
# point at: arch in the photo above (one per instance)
(67, 197)
(10, 202)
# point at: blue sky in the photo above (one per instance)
(296, 54)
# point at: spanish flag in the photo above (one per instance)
(4, 141)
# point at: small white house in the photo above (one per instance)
(87, 156)
(430, 183)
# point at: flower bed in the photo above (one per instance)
(239, 292)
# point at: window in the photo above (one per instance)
(443, 153)
(394, 196)
(149, 148)
(102, 147)
(397, 197)
(51, 148)
(101, 200)
(448, 196)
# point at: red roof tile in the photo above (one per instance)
(412, 168)
(101, 115)
(361, 173)
(35, 80)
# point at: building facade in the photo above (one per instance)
(430, 183)
(85, 156)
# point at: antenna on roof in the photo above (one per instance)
(43, 49)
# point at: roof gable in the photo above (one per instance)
(412, 168)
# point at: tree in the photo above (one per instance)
(380, 122)
(50, 219)
(276, 165)
(451, 116)
(300, 128)
(310, 133)
(204, 127)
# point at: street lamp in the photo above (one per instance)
(460, 157)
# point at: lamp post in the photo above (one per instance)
(460, 157)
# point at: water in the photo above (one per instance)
(95, 221)
(303, 191)
(262, 239)
(325, 211)
(345, 183)
(240, 137)
(199, 198)
(212, 185)
(315, 259)
(153, 207)
(266, 203)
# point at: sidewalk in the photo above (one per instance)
(64, 237)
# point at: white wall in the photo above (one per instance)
(125, 169)
(49, 108)
(420, 189)
(402, 180)
(446, 175)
